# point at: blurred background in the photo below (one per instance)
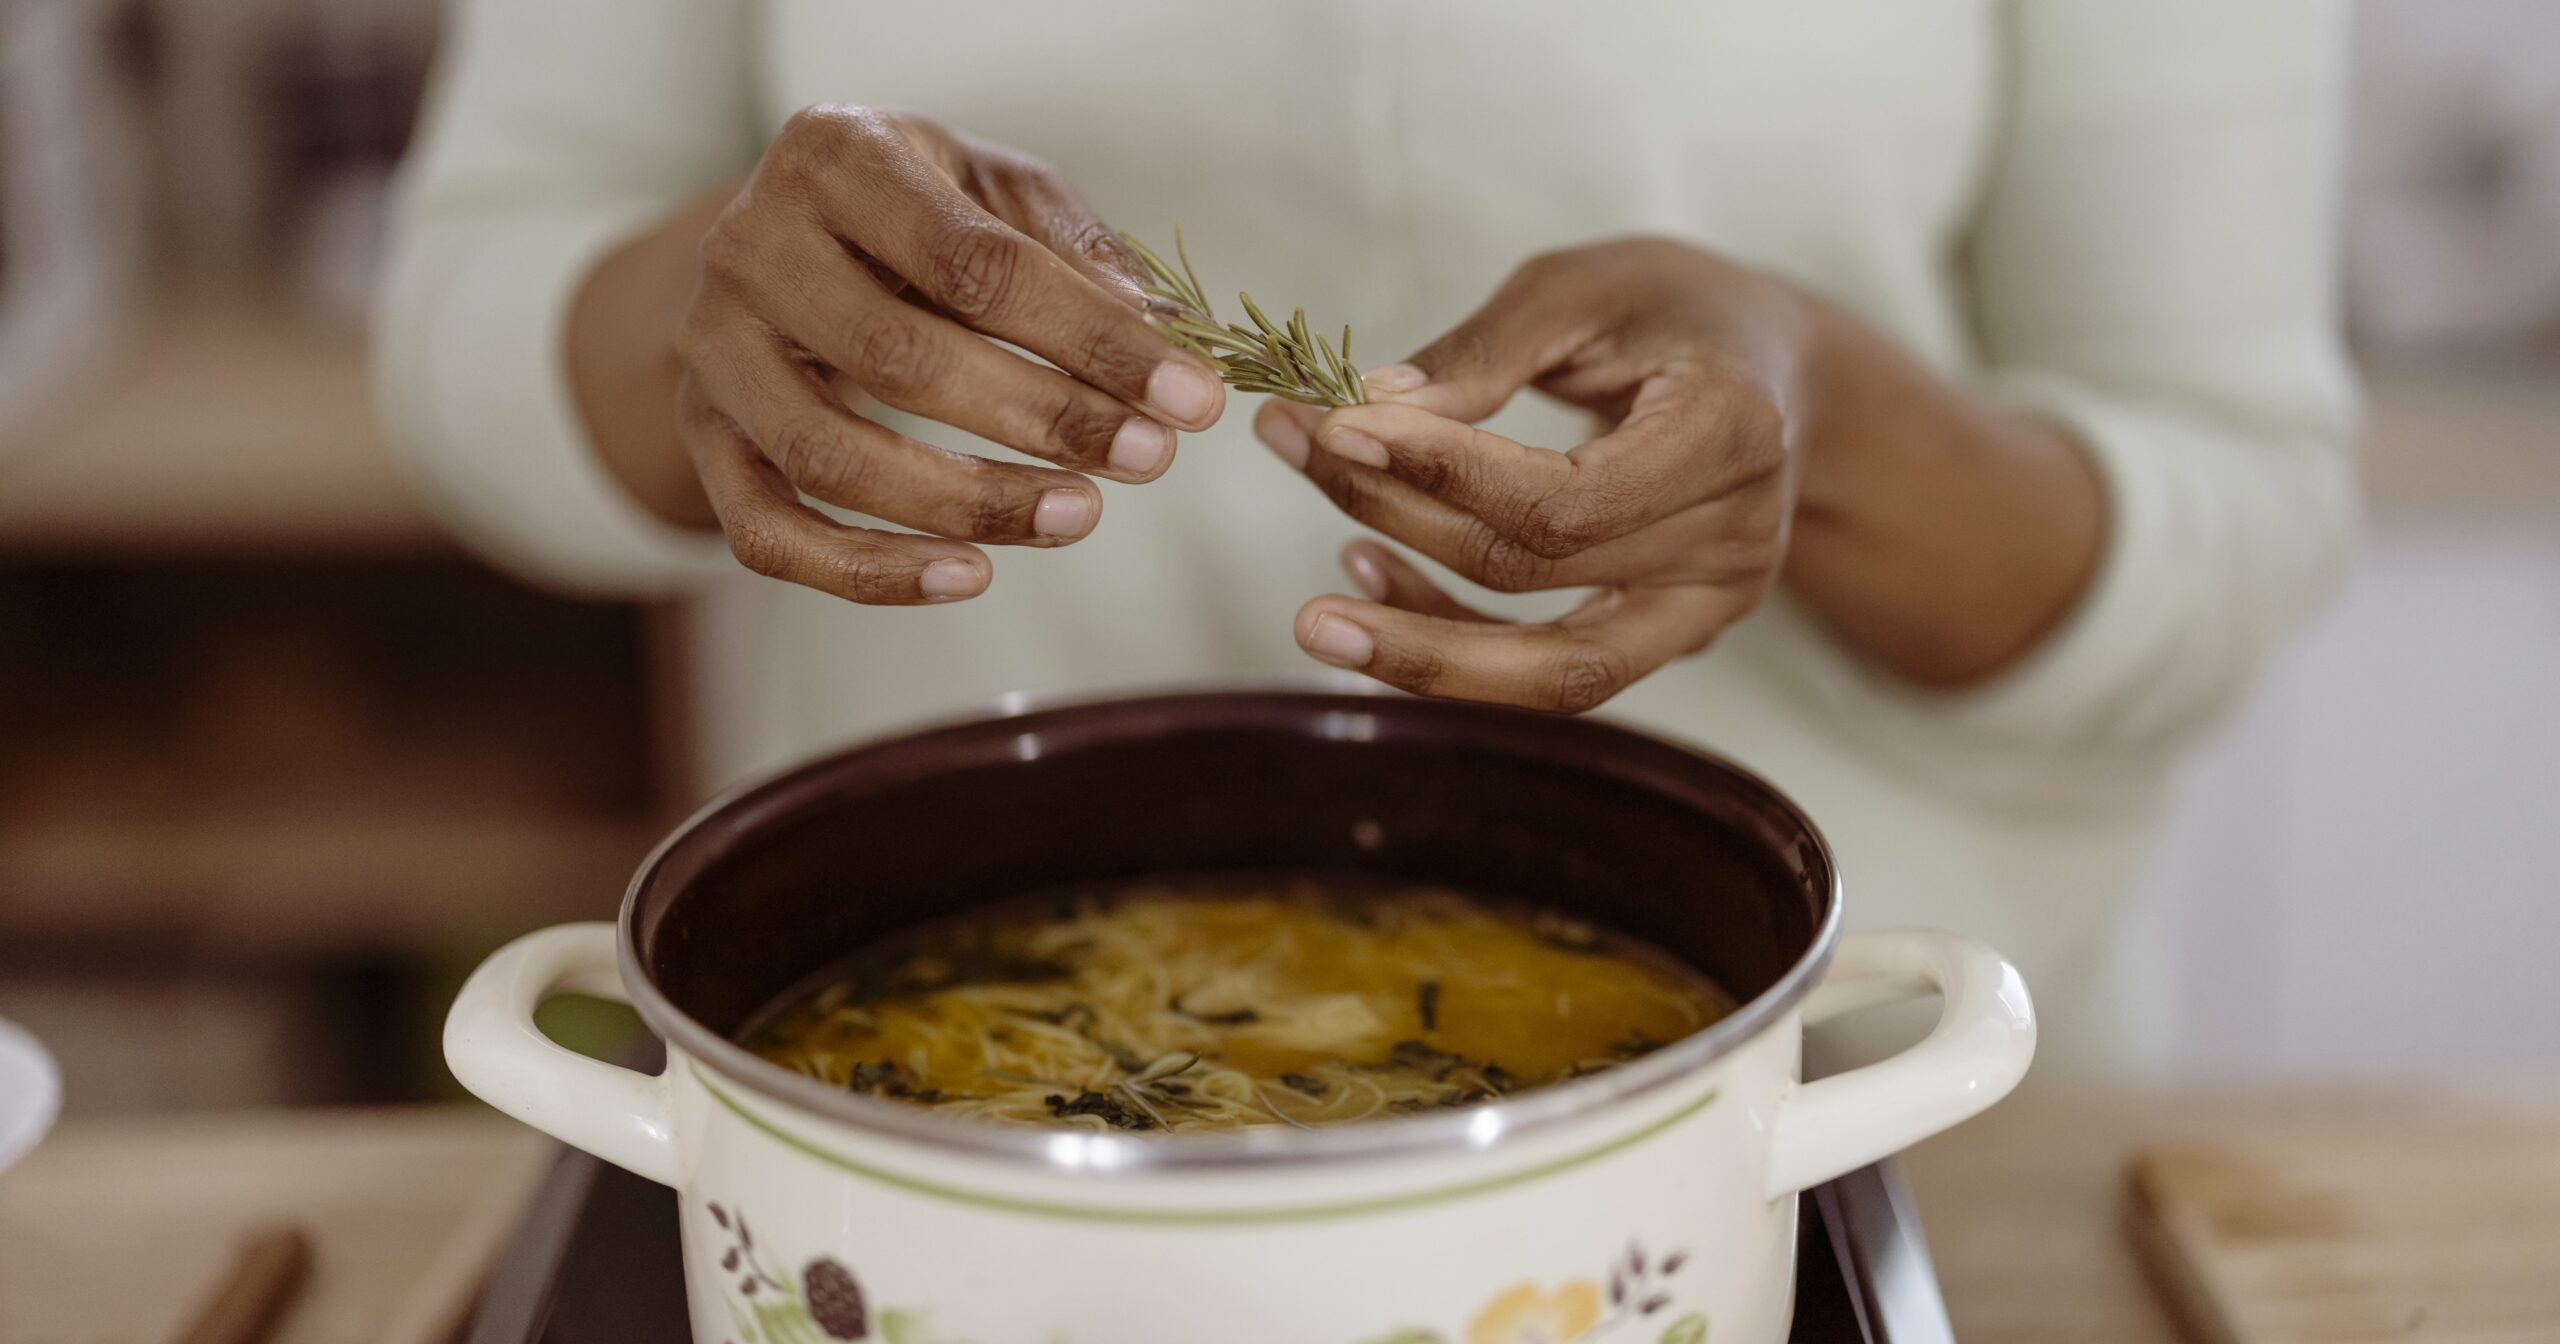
(278, 762)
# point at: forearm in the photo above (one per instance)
(1935, 534)
(622, 360)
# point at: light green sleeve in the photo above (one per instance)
(553, 130)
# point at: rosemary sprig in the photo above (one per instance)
(1284, 361)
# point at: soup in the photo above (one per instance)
(1209, 1005)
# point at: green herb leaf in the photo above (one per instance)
(1689, 1329)
(1279, 361)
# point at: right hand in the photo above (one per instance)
(871, 254)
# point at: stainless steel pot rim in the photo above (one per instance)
(1475, 1127)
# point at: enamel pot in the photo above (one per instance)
(1649, 1204)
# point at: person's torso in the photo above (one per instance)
(1385, 163)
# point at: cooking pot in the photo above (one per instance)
(1651, 1202)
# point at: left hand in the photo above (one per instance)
(1677, 513)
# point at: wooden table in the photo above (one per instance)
(112, 1232)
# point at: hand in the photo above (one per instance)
(1678, 513)
(871, 254)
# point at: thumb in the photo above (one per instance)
(1537, 321)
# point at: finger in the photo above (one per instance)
(774, 534)
(928, 365)
(1386, 577)
(1551, 307)
(1692, 436)
(1708, 541)
(877, 194)
(834, 455)
(1564, 666)
(1287, 429)
(1499, 480)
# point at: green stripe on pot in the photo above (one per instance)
(1081, 1213)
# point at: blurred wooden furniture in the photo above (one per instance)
(116, 1231)
(2025, 1208)
(2464, 438)
(276, 757)
(237, 422)
(2432, 1233)
(116, 1228)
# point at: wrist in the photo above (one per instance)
(1835, 375)
(623, 371)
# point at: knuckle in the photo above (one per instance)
(1738, 418)
(894, 359)
(1080, 430)
(854, 572)
(976, 269)
(1559, 524)
(813, 122)
(1759, 432)
(1553, 265)
(994, 515)
(817, 457)
(1586, 676)
(726, 247)
(1506, 566)
(815, 141)
(801, 132)
(761, 546)
(1433, 473)
(1105, 358)
(1418, 668)
(698, 344)
(1348, 491)
(828, 127)
(1094, 240)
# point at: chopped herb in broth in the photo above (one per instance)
(1207, 1006)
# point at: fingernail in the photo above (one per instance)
(1368, 573)
(1346, 442)
(1063, 513)
(1184, 391)
(951, 578)
(1339, 642)
(1140, 447)
(1395, 378)
(1284, 436)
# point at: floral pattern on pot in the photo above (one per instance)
(1577, 1310)
(825, 1302)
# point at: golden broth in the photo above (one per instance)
(1210, 1005)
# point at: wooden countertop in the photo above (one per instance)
(114, 1230)
(117, 1231)
(2023, 1207)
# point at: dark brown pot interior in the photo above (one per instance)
(1681, 849)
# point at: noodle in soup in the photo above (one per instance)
(1209, 1005)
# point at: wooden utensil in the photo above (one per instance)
(254, 1297)
(2422, 1234)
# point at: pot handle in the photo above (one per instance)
(1979, 1050)
(493, 1047)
